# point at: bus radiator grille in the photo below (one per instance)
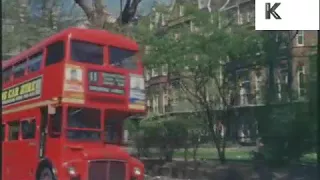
(107, 170)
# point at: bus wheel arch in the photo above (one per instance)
(45, 164)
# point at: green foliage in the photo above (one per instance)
(203, 50)
(22, 28)
(167, 134)
(288, 134)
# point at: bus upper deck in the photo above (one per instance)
(84, 66)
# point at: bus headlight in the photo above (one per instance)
(136, 171)
(72, 171)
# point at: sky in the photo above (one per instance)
(113, 6)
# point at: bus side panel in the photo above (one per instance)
(30, 146)
(21, 156)
(10, 168)
(53, 81)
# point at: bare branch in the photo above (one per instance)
(129, 11)
(87, 7)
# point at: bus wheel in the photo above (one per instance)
(46, 174)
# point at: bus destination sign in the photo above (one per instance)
(111, 83)
(25, 91)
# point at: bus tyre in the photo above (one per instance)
(46, 174)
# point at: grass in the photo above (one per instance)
(234, 154)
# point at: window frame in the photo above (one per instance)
(29, 120)
(49, 60)
(9, 128)
(301, 72)
(300, 34)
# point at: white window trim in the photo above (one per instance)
(192, 28)
(147, 75)
(240, 19)
(258, 81)
(298, 79)
(163, 20)
(154, 73)
(300, 33)
(249, 16)
(164, 70)
(181, 10)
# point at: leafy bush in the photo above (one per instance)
(288, 133)
(166, 134)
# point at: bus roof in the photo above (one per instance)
(94, 34)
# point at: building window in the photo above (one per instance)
(164, 70)
(149, 106)
(146, 75)
(243, 78)
(14, 130)
(240, 18)
(249, 16)
(181, 10)
(301, 80)
(300, 38)
(258, 87)
(28, 129)
(155, 72)
(163, 20)
(192, 29)
(282, 81)
(155, 104)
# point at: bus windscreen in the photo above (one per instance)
(123, 58)
(86, 52)
(84, 124)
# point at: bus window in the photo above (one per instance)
(55, 53)
(28, 129)
(19, 69)
(113, 130)
(84, 124)
(56, 123)
(122, 58)
(3, 132)
(86, 52)
(34, 62)
(14, 130)
(6, 75)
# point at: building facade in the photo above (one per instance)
(163, 92)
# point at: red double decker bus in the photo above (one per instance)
(64, 104)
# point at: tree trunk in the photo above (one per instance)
(185, 156)
(99, 17)
(222, 156)
(194, 156)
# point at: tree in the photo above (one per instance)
(199, 59)
(29, 26)
(280, 144)
(98, 15)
